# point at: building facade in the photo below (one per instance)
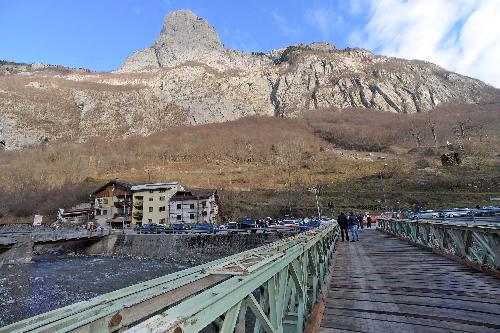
(112, 201)
(151, 202)
(194, 207)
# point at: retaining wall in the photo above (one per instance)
(192, 249)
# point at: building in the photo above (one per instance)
(151, 202)
(113, 202)
(194, 206)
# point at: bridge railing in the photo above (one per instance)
(272, 288)
(478, 245)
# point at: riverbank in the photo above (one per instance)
(50, 282)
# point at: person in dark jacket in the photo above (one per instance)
(369, 222)
(344, 225)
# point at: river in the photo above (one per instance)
(50, 282)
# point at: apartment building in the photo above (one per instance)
(151, 202)
(112, 202)
(194, 206)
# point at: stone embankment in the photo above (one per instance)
(192, 249)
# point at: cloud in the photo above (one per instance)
(460, 35)
(286, 29)
(325, 19)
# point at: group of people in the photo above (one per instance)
(352, 222)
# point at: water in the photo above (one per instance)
(52, 282)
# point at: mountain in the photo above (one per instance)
(189, 77)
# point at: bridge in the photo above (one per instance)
(407, 276)
(17, 247)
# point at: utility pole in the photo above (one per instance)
(317, 203)
(383, 188)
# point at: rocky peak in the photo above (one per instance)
(184, 31)
(185, 37)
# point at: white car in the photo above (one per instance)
(426, 214)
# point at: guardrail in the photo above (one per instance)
(477, 245)
(278, 283)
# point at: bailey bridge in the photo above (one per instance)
(406, 276)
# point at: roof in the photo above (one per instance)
(194, 194)
(154, 186)
(115, 182)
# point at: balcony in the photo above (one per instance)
(137, 215)
(138, 203)
(121, 204)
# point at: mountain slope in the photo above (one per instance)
(188, 77)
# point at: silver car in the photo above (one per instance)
(426, 214)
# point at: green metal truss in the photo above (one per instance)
(278, 284)
(474, 243)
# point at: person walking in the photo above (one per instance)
(368, 222)
(359, 218)
(353, 225)
(344, 225)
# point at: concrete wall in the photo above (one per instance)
(19, 253)
(192, 249)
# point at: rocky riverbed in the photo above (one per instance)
(50, 282)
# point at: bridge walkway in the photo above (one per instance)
(383, 284)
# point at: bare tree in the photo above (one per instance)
(432, 126)
(417, 135)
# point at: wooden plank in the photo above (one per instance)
(424, 300)
(391, 322)
(382, 284)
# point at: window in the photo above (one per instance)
(179, 206)
(179, 217)
(104, 212)
(150, 209)
(191, 206)
(191, 216)
(162, 191)
(162, 221)
(138, 197)
(162, 198)
(105, 201)
(150, 191)
(204, 204)
(151, 199)
(162, 209)
(150, 221)
(204, 213)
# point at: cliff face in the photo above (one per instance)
(188, 77)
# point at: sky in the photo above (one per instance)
(459, 35)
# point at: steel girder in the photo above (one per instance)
(474, 243)
(277, 283)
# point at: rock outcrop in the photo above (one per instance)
(188, 77)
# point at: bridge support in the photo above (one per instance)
(18, 251)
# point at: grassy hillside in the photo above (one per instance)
(267, 166)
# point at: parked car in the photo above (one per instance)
(426, 214)
(308, 225)
(204, 228)
(161, 229)
(249, 224)
(148, 229)
(229, 228)
(482, 212)
(462, 211)
(449, 213)
(494, 209)
(178, 228)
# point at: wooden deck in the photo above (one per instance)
(383, 284)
